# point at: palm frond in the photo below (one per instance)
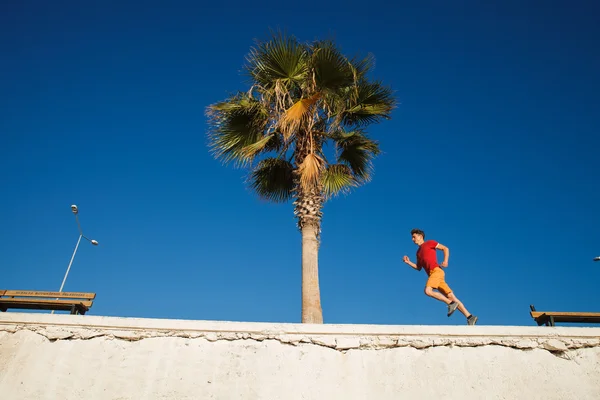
(332, 71)
(310, 170)
(276, 143)
(357, 151)
(236, 124)
(362, 66)
(252, 149)
(241, 102)
(280, 59)
(273, 179)
(369, 103)
(337, 179)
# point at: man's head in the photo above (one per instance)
(418, 236)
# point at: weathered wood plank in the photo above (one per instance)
(551, 318)
(537, 314)
(29, 293)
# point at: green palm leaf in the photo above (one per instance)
(252, 149)
(273, 179)
(237, 125)
(361, 67)
(282, 58)
(357, 151)
(332, 70)
(276, 143)
(337, 179)
(369, 103)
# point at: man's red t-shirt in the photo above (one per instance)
(427, 256)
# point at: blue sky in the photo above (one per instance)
(493, 151)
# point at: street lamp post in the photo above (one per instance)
(81, 235)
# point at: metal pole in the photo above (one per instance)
(68, 268)
(78, 224)
(70, 263)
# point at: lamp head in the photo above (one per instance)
(74, 209)
(94, 242)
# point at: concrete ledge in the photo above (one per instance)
(71, 357)
(339, 337)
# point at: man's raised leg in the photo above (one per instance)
(436, 295)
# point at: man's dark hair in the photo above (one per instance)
(418, 232)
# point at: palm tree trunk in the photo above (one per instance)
(308, 211)
(308, 208)
(311, 296)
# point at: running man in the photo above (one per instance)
(427, 259)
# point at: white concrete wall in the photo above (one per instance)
(66, 357)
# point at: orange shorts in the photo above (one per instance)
(436, 281)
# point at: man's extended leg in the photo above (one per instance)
(471, 319)
(461, 307)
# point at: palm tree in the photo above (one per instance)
(302, 97)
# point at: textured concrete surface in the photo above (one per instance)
(46, 356)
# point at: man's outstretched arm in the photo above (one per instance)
(410, 263)
(446, 251)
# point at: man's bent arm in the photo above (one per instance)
(446, 251)
(413, 265)
(410, 263)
